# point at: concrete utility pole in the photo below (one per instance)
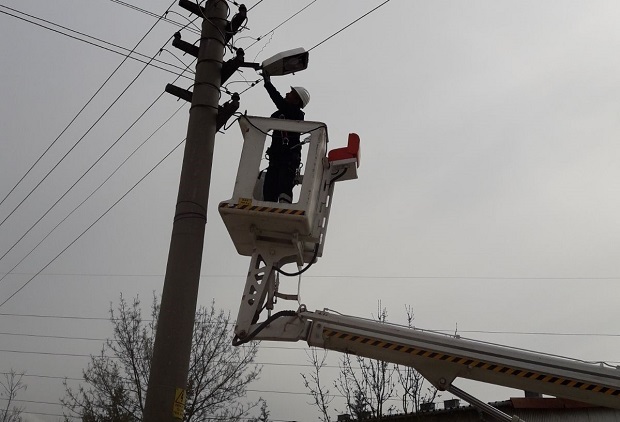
(165, 400)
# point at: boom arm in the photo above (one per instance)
(276, 234)
(443, 358)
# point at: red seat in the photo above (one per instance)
(352, 150)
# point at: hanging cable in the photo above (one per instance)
(336, 178)
(89, 227)
(300, 272)
(132, 54)
(76, 144)
(89, 196)
(325, 40)
(176, 57)
(237, 341)
(355, 21)
(83, 175)
(80, 139)
(70, 123)
(288, 19)
(259, 2)
(253, 84)
(155, 15)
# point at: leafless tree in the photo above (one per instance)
(116, 380)
(9, 388)
(264, 413)
(414, 392)
(368, 385)
(320, 393)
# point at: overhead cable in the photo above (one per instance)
(71, 122)
(285, 21)
(69, 151)
(355, 21)
(514, 333)
(78, 180)
(325, 40)
(91, 194)
(354, 276)
(88, 170)
(256, 4)
(132, 54)
(89, 227)
(155, 15)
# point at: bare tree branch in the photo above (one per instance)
(9, 388)
(320, 394)
(115, 381)
(368, 384)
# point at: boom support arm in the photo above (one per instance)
(443, 358)
(275, 234)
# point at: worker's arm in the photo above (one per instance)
(275, 96)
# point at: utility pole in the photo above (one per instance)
(165, 399)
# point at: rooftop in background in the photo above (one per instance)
(530, 409)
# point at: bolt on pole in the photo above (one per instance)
(166, 392)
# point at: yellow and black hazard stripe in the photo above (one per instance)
(473, 363)
(273, 210)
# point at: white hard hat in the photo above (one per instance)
(303, 94)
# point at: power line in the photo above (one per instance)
(155, 15)
(26, 375)
(211, 418)
(282, 364)
(26, 412)
(82, 355)
(519, 333)
(294, 393)
(95, 191)
(349, 276)
(73, 120)
(27, 282)
(250, 390)
(75, 182)
(355, 21)
(282, 23)
(83, 174)
(81, 379)
(79, 318)
(253, 84)
(32, 401)
(106, 339)
(30, 352)
(256, 4)
(89, 227)
(79, 205)
(90, 195)
(325, 40)
(132, 54)
(53, 337)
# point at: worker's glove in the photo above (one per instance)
(266, 77)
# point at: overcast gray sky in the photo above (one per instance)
(488, 193)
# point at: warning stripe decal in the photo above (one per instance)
(473, 363)
(263, 209)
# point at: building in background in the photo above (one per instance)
(530, 409)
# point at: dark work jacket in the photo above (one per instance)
(284, 145)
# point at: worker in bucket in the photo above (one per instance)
(284, 153)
